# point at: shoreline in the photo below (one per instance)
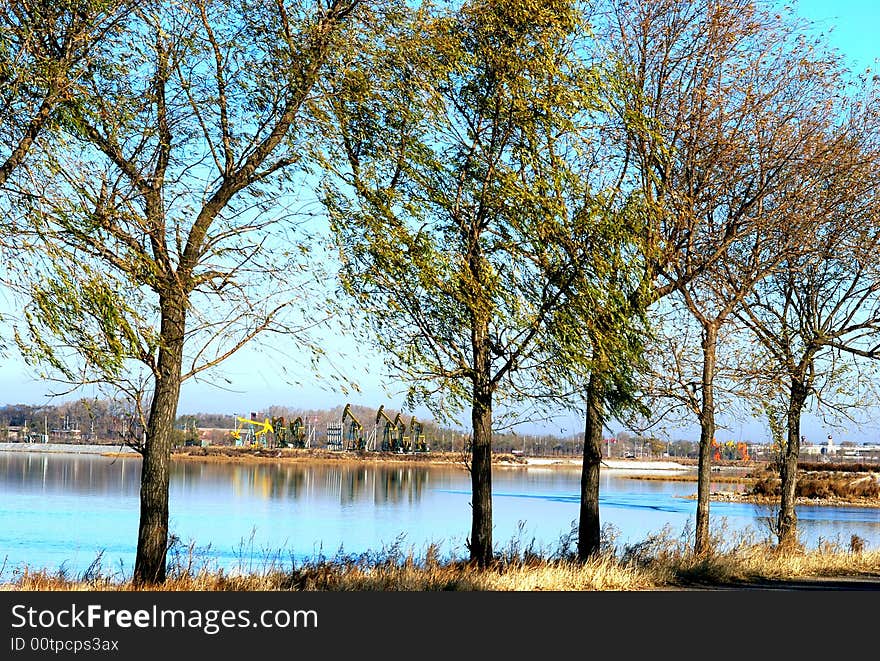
(800, 501)
(296, 455)
(67, 448)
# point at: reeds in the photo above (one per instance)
(661, 561)
(822, 485)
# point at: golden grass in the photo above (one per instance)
(599, 574)
(763, 562)
(658, 563)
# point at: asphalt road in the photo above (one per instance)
(835, 583)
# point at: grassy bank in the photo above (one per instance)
(817, 484)
(301, 455)
(658, 563)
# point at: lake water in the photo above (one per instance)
(59, 510)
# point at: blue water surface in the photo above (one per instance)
(60, 511)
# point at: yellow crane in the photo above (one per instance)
(258, 428)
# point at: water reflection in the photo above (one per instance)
(57, 509)
(81, 474)
(346, 482)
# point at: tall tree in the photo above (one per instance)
(159, 221)
(610, 392)
(614, 330)
(722, 114)
(821, 308)
(464, 210)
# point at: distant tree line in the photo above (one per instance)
(85, 420)
(105, 421)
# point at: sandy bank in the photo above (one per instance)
(611, 464)
(220, 453)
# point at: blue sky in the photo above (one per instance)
(254, 382)
(852, 27)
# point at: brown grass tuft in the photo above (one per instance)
(824, 485)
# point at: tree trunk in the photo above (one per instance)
(480, 544)
(481, 481)
(787, 521)
(589, 528)
(152, 545)
(707, 435)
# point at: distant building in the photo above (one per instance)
(215, 436)
(66, 436)
(15, 434)
(826, 447)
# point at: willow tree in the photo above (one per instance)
(45, 51)
(723, 113)
(164, 219)
(463, 210)
(616, 329)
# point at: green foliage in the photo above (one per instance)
(46, 52)
(86, 313)
(463, 201)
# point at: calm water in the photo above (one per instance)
(64, 510)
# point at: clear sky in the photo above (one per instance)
(852, 27)
(252, 381)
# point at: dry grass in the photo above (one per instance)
(237, 454)
(692, 477)
(603, 573)
(755, 562)
(840, 466)
(659, 562)
(597, 575)
(823, 485)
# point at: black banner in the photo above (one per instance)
(240, 625)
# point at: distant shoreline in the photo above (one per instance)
(262, 455)
(67, 448)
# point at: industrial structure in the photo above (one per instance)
(347, 433)
(354, 436)
(390, 442)
(250, 431)
(419, 444)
